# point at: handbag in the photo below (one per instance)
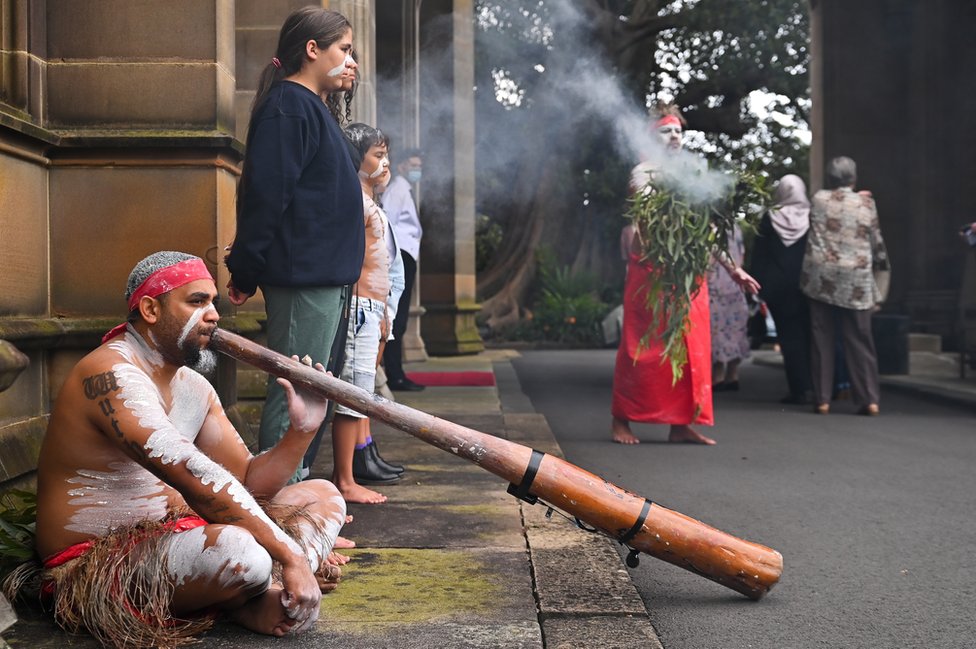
(880, 267)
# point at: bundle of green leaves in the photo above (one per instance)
(18, 516)
(680, 224)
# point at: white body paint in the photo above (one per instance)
(234, 560)
(176, 430)
(109, 499)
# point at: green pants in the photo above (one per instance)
(300, 321)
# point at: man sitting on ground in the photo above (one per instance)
(148, 500)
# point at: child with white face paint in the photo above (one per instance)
(373, 308)
(143, 481)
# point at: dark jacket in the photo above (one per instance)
(300, 206)
(775, 266)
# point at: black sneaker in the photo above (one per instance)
(403, 385)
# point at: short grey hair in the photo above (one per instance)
(841, 172)
(150, 265)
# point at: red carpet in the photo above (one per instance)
(466, 379)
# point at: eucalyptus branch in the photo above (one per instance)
(677, 233)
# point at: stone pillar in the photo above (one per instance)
(816, 97)
(414, 348)
(448, 250)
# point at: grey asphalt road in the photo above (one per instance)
(875, 517)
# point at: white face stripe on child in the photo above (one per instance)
(339, 69)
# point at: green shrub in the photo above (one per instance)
(18, 516)
(568, 308)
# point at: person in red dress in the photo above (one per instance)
(644, 389)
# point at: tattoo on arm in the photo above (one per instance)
(98, 385)
(107, 408)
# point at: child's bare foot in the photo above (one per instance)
(356, 493)
(688, 435)
(620, 431)
(264, 614)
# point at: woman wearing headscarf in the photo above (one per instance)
(838, 278)
(777, 259)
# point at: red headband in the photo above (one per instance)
(162, 281)
(166, 279)
(668, 120)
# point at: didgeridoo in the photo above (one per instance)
(747, 567)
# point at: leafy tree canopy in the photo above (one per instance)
(560, 85)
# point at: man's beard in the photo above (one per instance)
(199, 359)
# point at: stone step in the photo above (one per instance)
(918, 342)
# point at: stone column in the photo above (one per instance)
(414, 348)
(448, 251)
(816, 97)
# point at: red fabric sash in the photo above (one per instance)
(178, 525)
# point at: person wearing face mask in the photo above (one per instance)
(402, 211)
(376, 295)
(644, 388)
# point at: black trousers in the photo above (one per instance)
(791, 314)
(393, 354)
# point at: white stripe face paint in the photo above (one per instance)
(108, 499)
(234, 560)
(339, 69)
(381, 169)
(193, 321)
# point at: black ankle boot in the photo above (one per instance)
(366, 471)
(380, 462)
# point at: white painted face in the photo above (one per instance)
(347, 63)
(670, 135)
(202, 360)
(375, 169)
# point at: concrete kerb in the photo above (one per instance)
(932, 375)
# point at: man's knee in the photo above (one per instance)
(325, 494)
(226, 553)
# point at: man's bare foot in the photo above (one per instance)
(356, 493)
(688, 435)
(264, 614)
(620, 431)
(343, 543)
(328, 576)
(336, 559)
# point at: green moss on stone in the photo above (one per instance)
(409, 586)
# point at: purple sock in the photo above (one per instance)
(360, 447)
(369, 440)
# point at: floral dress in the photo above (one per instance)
(729, 310)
